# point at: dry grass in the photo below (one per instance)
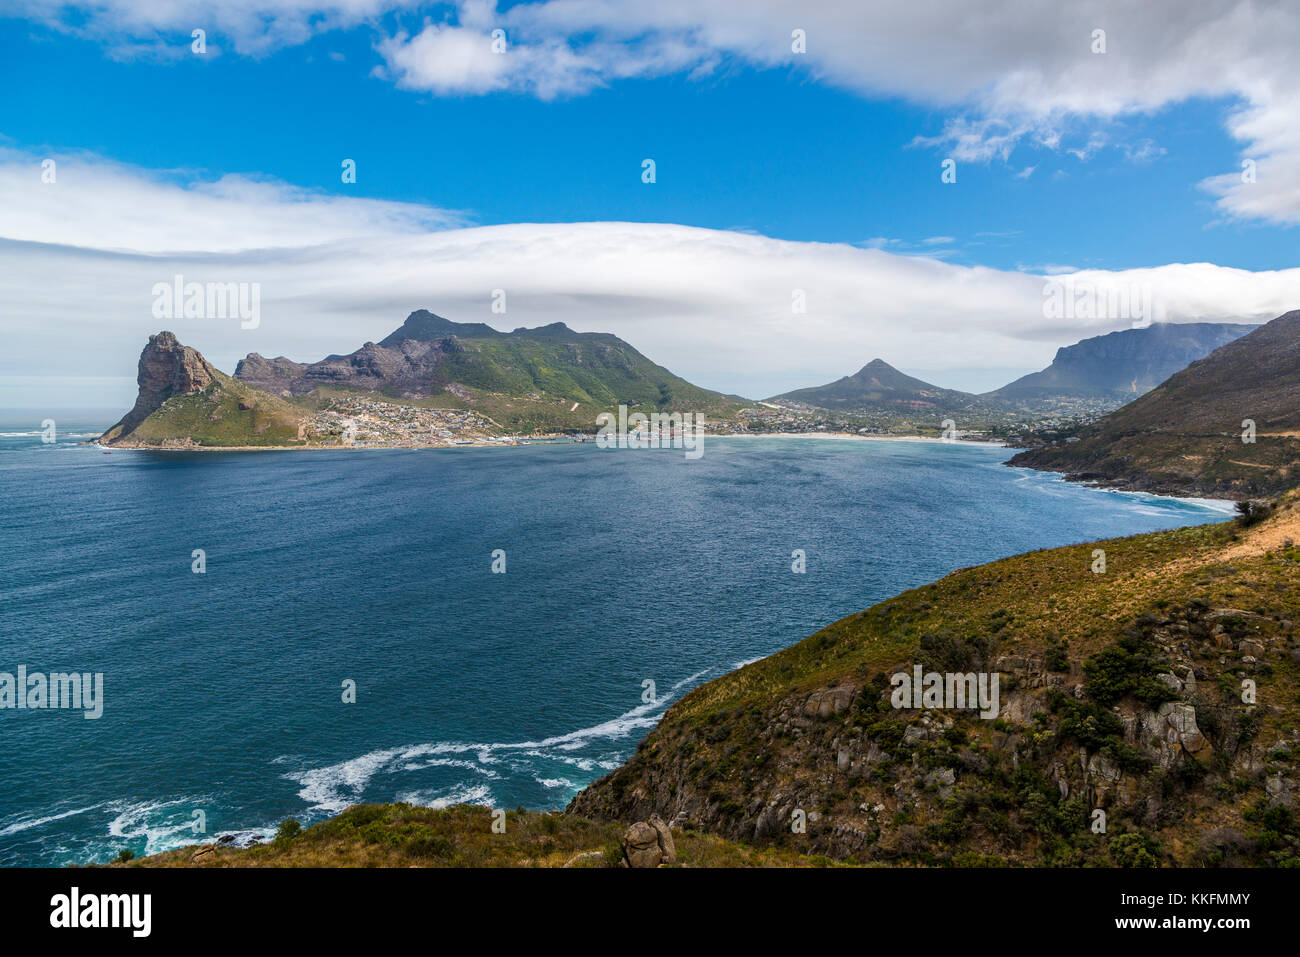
(402, 835)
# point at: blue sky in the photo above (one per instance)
(776, 171)
(766, 150)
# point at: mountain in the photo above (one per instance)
(1121, 365)
(186, 402)
(1118, 691)
(875, 386)
(429, 355)
(1186, 436)
(430, 382)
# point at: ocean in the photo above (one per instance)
(630, 577)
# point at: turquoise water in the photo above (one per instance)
(223, 691)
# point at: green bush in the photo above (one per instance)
(1134, 850)
(429, 846)
(1128, 667)
(288, 830)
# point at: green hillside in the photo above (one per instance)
(429, 357)
(226, 414)
(1120, 691)
(1185, 437)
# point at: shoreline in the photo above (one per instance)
(1201, 501)
(843, 436)
(537, 440)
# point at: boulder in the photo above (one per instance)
(1172, 730)
(828, 701)
(649, 844)
(666, 844)
(641, 846)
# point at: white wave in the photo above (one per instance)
(479, 794)
(29, 823)
(450, 763)
(337, 786)
(139, 820)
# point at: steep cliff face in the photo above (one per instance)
(275, 376)
(410, 367)
(1185, 437)
(185, 402)
(1160, 692)
(1123, 364)
(166, 369)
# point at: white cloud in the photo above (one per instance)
(101, 205)
(162, 28)
(1007, 71)
(713, 306)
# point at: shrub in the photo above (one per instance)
(1056, 657)
(1134, 850)
(430, 846)
(288, 830)
(1128, 667)
(1091, 725)
(1252, 513)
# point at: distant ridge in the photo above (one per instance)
(424, 326)
(1123, 364)
(1185, 436)
(429, 355)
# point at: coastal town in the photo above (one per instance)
(365, 422)
(362, 422)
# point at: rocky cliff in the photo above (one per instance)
(1227, 426)
(185, 402)
(1123, 364)
(1148, 716)
(166, 369)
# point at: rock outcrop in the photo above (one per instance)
(1172, 718)
(1227, 426)
(649, 844)
(186, 403)
(166, 369)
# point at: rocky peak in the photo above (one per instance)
(166, 369)
(423, 326)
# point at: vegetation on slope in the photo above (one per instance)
(402, 835)
(547, 369)
(1226, 426)
(225, 414)
(1120, 691)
